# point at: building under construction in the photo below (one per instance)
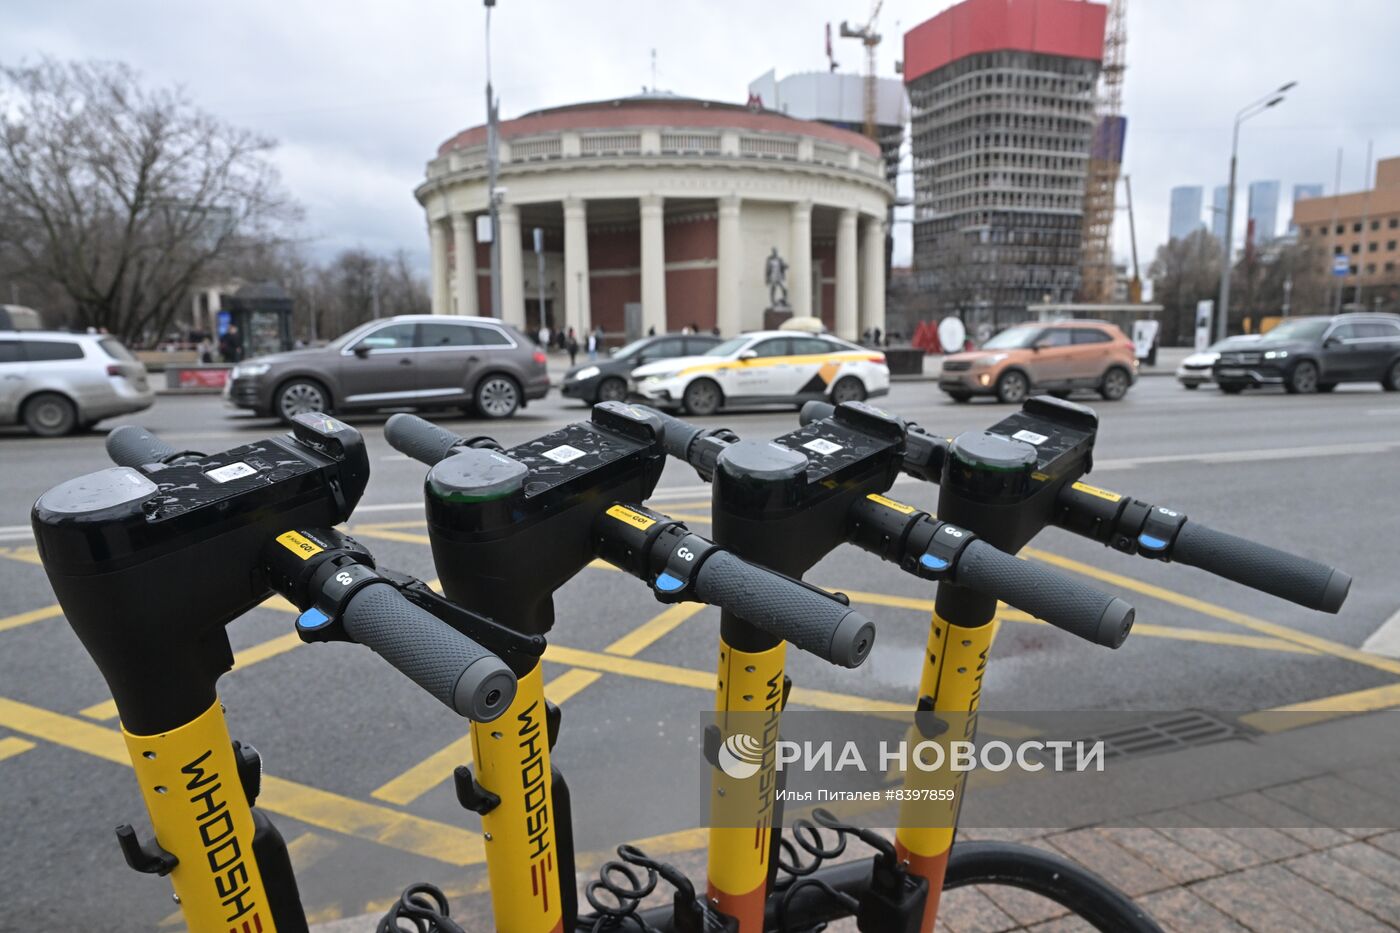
(1004, 113)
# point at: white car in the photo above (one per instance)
(1195, 370)
(763, 368)
(54, 382)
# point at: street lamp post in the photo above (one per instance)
(493, 165)
(1222, 311)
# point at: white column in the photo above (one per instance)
(464, 244)
(576, 267)
(727, 311)
(512, 309)
(437, 238)
(872, 274)
(846, 292)
(800, 265)
(653, 264)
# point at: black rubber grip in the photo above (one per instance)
(470, 680)
(419, 439)
(786, 609)
(1044, 593)
(676, 435)
(1269, 570)
(133, 446)
(815, 411)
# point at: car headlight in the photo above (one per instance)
(992, 360)
(250, 369)
(588, 372)
(658, 377)
(1275, 354)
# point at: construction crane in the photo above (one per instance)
(1105, 162)
(1135, 283)
(871, 40)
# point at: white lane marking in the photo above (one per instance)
(1385, 641)
(15, 532)
(1264, 453)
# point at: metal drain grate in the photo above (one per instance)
(1182, 730)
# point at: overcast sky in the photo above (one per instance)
(359, 94)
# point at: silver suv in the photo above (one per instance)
(409, 361)
(56, 382)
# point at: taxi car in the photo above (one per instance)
(769, 367)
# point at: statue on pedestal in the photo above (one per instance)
(775, 277)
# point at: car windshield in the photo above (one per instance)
(728, 348)
(1013, 338)
(1302, 329)
(116, 350)
(346, 338)
(631, 350)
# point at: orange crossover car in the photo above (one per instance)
(1055, 358)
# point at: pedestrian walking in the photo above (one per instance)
(595, 338)
(543, 337)
(571, 344)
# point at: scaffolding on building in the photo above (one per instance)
(1105, 164)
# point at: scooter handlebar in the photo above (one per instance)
(1261, 567)
(134, 446)
(677, 434)
(422, 440)
(815, 410)
(784, 608)
(1073, 607)
(468, 678)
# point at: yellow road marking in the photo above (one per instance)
(654, 629)
(1320, 645)
(323, 809)
(30, 555)
(11, 745)
(1322, 709)
(407, 787)
(385, 526)
(33, 615)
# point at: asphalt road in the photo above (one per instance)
(363, 747)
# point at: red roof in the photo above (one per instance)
(677, 112)
(1072, 28)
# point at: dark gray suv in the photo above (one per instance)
(1316, 354)
(409, 361)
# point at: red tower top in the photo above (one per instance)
(1072, 28)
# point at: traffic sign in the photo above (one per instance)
(1341, 265)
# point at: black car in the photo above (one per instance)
(605, 380)
(1316, 354)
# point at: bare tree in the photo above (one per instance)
(119, 198)
(1184, 272)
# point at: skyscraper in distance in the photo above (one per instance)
(1185, 211)
(1302, 192)
(1263, 209)
(1218, 198)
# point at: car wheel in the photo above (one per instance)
(1115, 384)
(960, 397)
(497, 397)
(299, 396)
(849, 389)
(702, 397)
(1231, 390)
(612, 389)
(1326, 386)
(1391, 380)
(49, 414)
(1012, 387)
(1302, 379)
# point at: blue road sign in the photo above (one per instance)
(1341, 265)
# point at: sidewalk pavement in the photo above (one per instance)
(1280, 866)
